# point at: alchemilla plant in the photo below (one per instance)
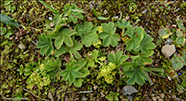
(62, 37)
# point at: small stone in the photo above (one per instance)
(102, 94)
(127, 17)
(178, 99)
(84, 98)
(181, 91)
(162, 95)
(168, 50)
(52, 24)
(168, 41)
(115, 17)
(67, 98)
(91, 6)
(174, 96)
(157, 97)
(144, 11)
(153, 98)
(11, 37)
(160, 99)
(21, 46)
(50, 18)
(128, 89)
(130, 98)
(174, 26)
(95, 87)
(105, 12)
(169, 78)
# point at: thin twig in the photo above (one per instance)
(75, 16)
(5, 98)
(34, 94)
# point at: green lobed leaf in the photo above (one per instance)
(184, 57)
(76, 74)
(118, 58)
(72, 12)
(132, 44)
(85, 72)
(146, 45)
(123, 24)
(88, 33)
(64, 36)
(78, 82)
(65, 74)
(71, 77)
(177, 64)
(81, 62)
(76, 68)
(45, 44)
(108, 35)
(135, 75)
(164, 33)
(180, 25)
(130, 32)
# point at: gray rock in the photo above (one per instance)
(154, 99)
(84, 98)
(178, 99)
(115, 17)
(162, 95)
(50, 18)
(168, 50)
(130, 98)
(91, 6)
(52, 24)
(168, 41)
(105, 12)
(21, 46)
(128, 90)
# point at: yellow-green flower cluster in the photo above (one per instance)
(107, 71)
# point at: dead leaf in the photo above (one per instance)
(89, 18)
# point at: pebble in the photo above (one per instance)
(168, 50)
(157, 97)
(52, 24)
(160, 99)
(21, 46)
(95, 87)
(178, 99)
(130, 98)
(115, 17)
(153, 98)
(128, 90)
(84, 98)
(153, 95)
(162, 95)
(174, 96)
(168, 41)
(105, 12)
(50, 18)
(91, 6)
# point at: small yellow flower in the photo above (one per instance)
(100, 29)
